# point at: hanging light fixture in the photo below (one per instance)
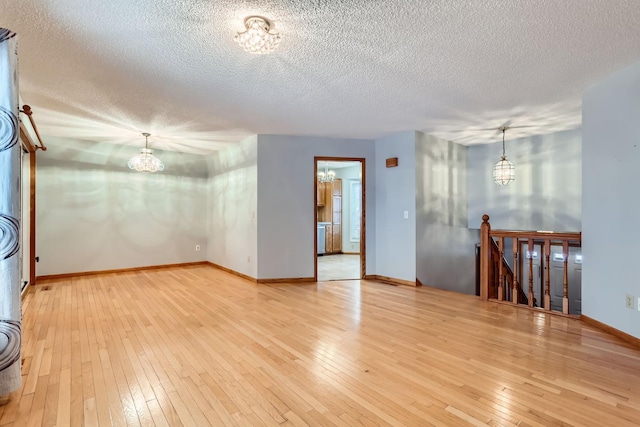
(327, 175)
(504, 172)
(146, 161)
(257, 38)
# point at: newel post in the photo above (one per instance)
(485, 257)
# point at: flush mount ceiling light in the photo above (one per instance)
(504, 172)
(146, 161)
(257, 39)
(327, 175)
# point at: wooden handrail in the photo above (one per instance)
(538, 235)
(27, 110)
(495, 271)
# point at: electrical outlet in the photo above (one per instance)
(248, 259)
(638, 303)
(629, 301)
(406, 214)
(197, 248)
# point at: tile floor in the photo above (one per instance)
(338, 267)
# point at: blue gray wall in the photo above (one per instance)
(395, 190)
(445, 246)
(286, 209)
(610, 205)
(547, 192)
(232, 207)
(96, 214)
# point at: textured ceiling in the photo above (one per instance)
(106, 71)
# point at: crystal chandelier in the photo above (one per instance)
(257, 39)
(504, 172)
(327, 175)
(146, 161)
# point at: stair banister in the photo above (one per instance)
(485, 257)
(497, 278)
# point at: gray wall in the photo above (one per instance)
(547, 192)
(232, 207)
(396, 193)
(96, 214)
(445, 247)
(610, 204)
(286, 201)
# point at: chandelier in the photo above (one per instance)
(504, 172)
(327, 175)
(257, 39)
(146, 161)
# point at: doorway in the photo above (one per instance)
(339, 218)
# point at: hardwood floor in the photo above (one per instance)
(197, 346)
(338, 267)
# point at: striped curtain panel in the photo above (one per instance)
(10, 313)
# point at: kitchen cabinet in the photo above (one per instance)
(337, 223)
(320, 194)
(331, 212)
(337, 187)
(328, 239)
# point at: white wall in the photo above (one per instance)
(348, 175)
(286, 207)
(93, 213)
(396, 193)
(610, 203)
(547, 192)
(232, 207)
(445, 246)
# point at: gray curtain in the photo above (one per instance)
(10, 314)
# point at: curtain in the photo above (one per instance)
(10, 304)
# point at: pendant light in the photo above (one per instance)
(504, 172)
(146, 161)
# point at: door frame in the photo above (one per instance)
(363, 215)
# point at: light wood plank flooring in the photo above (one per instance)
(196, 347)
(338, 267)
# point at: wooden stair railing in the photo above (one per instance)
(502, 289)
(497, 280)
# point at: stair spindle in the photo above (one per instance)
(547, 282)
(565, 291)
(501, 269)
(514, 291)
(530, 241)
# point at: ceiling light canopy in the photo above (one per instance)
(257, 38)
(146, 161)
(504, 172)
